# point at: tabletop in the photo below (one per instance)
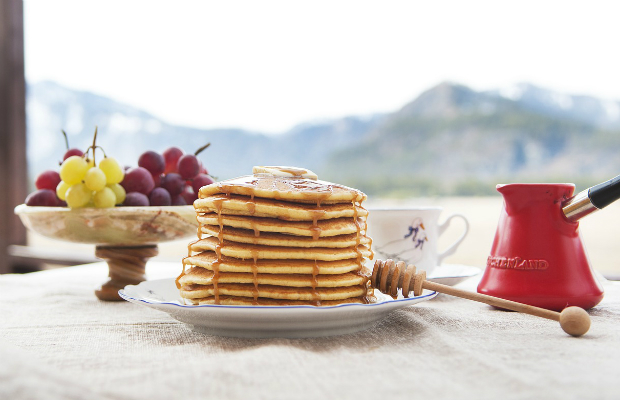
(58, 341)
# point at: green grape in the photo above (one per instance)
(73, 170)
(95, 179)
(105, 198)
(113, 172)
(78, 195)
(90, 162)
(119, 192)
(61, 190)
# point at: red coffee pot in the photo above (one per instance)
(537, 256)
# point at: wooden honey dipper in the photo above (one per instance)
(389, 276)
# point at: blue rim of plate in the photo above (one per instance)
(125, 296)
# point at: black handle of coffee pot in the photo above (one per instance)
(605, 193)
(592, 199)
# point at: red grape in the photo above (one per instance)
(173, 183)
(200, 181)
(160, 197)
(138, 179)
(179, 200)
(48, 180)
(72, 152)
(136, 199)
(157, 179)
(42, 198)
(171, 158)
(188, 166)
(152, 161)
(189, 195)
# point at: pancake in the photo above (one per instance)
(247, 301)
(268, 186)
(266, 266)
(257, 207)
(278, 237)
(282, 239)
(201, 276)
(273, 292)
(251, 251)
(322, 228)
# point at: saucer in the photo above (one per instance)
(265, 321)
(452, 274)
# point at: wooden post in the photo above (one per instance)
(13, 172)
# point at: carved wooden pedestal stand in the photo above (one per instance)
(126, 265)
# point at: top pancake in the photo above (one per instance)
(285, 188)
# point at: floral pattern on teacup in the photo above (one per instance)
(399, 250)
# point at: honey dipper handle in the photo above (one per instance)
(389, 276)
(573, 320)
(493, 301)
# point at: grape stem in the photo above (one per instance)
(202, 148)
(66, 138)
(95, 147)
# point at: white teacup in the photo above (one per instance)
(411, 235)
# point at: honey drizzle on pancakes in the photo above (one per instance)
(372, 253)
(305, 191)
(189, 254)
(176, 281)
(357, 236)
(316, 215)
(255, 275)
(251, 205)
(218, 250)
(315, 294)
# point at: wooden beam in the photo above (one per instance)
(13, 173)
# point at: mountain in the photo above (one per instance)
(454, 140)
(601, 113)
(450, 140)
(126, 132)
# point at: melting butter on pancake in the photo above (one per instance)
(201, 276)
(323, 228)
(268, 186)
(267, 266)
(287, 172)
(252, 251)
(257, 207)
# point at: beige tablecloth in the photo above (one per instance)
(59, 342)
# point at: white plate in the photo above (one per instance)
(452, 274)
(261, 321)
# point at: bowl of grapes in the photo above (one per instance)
(124, 212)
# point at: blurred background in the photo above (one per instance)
(415, 103)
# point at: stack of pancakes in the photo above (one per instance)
(278, 237)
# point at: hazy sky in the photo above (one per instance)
(269, 65)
